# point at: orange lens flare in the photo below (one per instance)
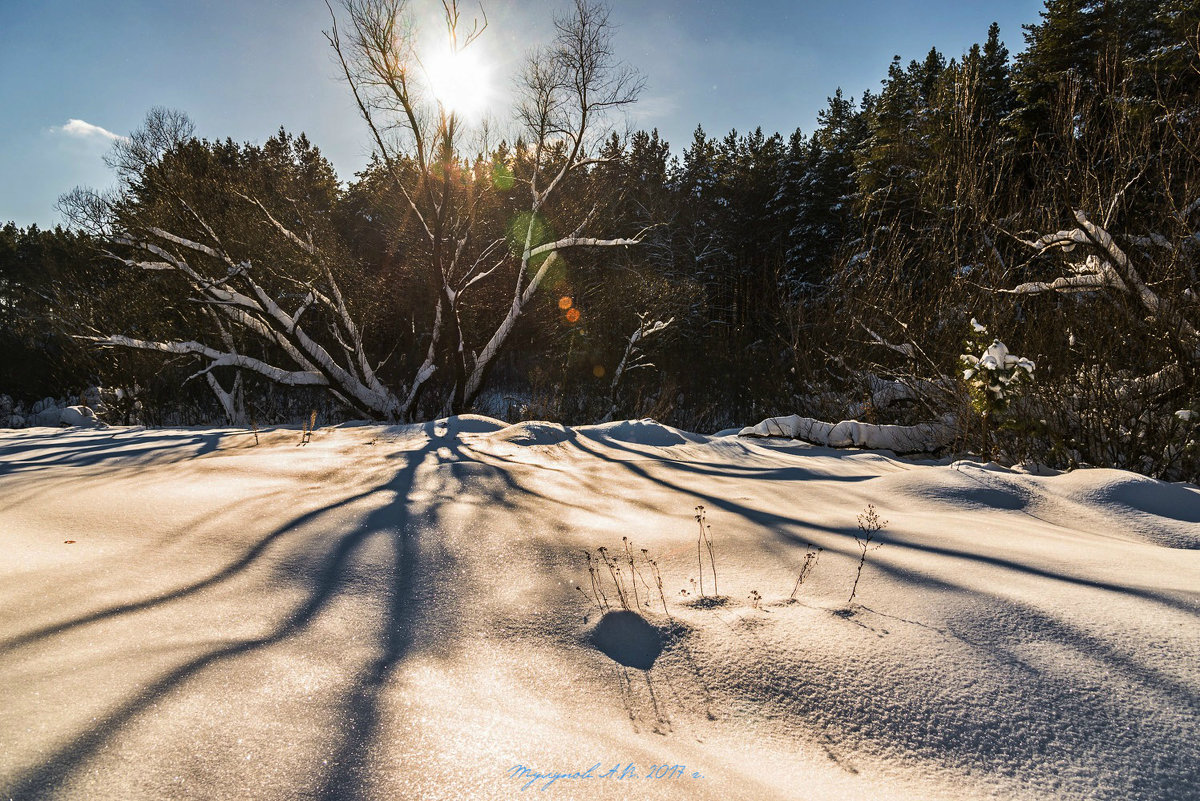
(598, 371)
(564, 303)
(573, 315)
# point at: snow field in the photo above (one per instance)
(393, 612)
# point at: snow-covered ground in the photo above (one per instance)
(392, 613)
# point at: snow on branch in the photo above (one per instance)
(1065, 239)
(904, 348)
(1111, 268)
(996, 369)
(1191, 209)
(1090, 275)
(574, 242)
(255, 311)
(305, 245)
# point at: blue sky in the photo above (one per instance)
(241, 69)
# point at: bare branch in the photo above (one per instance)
(217, 357)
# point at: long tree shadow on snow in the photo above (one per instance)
(249, 557)
(405, 608)
(1040, 735)
(77, 448)
(1188, 603)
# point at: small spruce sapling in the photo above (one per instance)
(992, 379)
(869, 525)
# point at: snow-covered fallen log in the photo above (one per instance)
(920, 438)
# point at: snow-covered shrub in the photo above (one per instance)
(993, 374)
(994, 378)
(919, 438)
(1187, 443)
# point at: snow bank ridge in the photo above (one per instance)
(639, 432)
(647, 432)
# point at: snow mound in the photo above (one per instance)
(959, 490)
(535, 432)
(401, 602)
(79, 417)
(920, 438)
(1165, 513)
(639, 432)
(1125, 505)
(469, 424)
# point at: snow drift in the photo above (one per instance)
(393, 612)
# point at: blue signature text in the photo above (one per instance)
(544, 780)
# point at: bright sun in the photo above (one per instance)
(461, 80)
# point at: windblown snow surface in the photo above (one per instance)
(393, 613)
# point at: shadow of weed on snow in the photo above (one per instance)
(708, 602)
(631, 641)
(1060, 691)
(789, 528)
(628, 639)
(1042, 737)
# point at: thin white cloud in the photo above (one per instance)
(655, 106)
(84, 130)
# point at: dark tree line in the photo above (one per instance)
(1053, 196)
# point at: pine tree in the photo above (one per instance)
(1064, 45)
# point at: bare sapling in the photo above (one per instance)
(596, 584)
(869, 525)
(703, 542)
(657, 574)
(811, 557)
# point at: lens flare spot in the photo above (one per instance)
(598, 371)
(564, 303)
(502, 177)
(572, 315)
(529, 230)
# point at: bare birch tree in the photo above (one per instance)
(306, 333)
(282, 303)
(570, 88)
